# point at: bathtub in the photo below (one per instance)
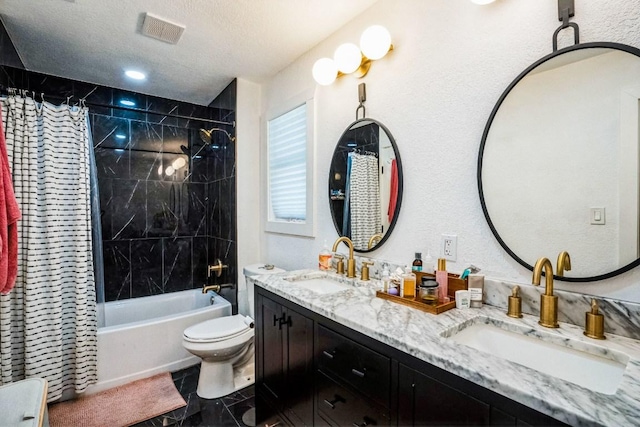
(143, 336)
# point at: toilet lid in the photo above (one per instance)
(217, 329)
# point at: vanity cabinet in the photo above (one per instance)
(284, 363)
(314, 371)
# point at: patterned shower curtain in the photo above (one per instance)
(364, 197)
(48, 322)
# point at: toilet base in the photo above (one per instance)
(220, 379)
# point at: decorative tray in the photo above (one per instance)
(455, 284)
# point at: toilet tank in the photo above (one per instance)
(256, 270)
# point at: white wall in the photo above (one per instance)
(452, 60)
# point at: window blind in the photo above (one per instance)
(287, 165)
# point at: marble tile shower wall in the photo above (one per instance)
(160, 229)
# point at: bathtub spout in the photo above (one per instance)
(216, 288)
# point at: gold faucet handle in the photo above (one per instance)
(515, 303)
(364, 273)
(594, 322)
(339, 264)
(216, 268)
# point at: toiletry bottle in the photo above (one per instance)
(476, 286)
(427, 264)
(386, 279)
(443, 280)
(324, 259)
(408, 284)
(417, 263)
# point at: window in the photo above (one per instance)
(290, 172)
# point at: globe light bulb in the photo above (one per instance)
(375, 42)
(324, 71)
(347, 58)
(178, 163)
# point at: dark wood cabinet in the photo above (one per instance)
(424, 401)
(284, 362)
(314, 371)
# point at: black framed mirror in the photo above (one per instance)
(365, 184)
(558, 167)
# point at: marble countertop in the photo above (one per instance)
(422, 335)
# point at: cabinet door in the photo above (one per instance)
(299, 367)
(424, 401)
(272, 346)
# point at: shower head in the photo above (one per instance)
(205, 135)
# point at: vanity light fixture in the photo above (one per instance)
(348, 58)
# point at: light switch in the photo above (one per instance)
(597, 216)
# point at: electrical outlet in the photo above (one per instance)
(449, 247)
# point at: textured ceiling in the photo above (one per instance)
(95, 40)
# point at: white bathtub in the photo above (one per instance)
(143, 336)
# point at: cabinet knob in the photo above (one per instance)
(365, 422)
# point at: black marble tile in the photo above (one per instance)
(128, 213)
(215, 413)
(110, 132)
(94, 94)
(146, 271)
(226, 213)
(174, 137)
(176, 167)
(112, 163)
(117, 270)
(106, 199)
(161, 106)
(213, 209)
(177, 264)
(200, 257)
(145, 165)
(51, 85)
(146, 136)
(161, 219)
(238, 409)
(194, 210)
(123, 100)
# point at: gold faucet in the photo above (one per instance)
(548, 301)
(564, 263)
(373, 239)
(351, 263)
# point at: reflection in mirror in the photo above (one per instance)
(558, 165)
(365, 184)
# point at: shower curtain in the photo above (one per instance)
(364, 189)
(48, 323)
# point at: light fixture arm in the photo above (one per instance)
(566, 10)
(362, 97)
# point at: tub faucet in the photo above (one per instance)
(351, 263)
(216, 288)
(548, 301)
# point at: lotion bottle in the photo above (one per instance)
(324, 258)
(408, 284)
(427, 264)
(443, 280)
(386, 279)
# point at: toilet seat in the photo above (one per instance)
(215, 330)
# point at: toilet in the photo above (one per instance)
(225, 346)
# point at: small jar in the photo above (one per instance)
(428, 292)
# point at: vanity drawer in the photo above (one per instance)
(366, 370)
(340, 407)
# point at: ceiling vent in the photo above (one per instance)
(161, 29)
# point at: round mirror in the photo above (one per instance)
(365, 184)
(558, 163)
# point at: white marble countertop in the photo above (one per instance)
(421, 334)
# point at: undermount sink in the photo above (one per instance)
(319, 285)
(592, 366)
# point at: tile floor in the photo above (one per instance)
(226, 411)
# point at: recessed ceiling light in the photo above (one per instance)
(120, 136)
(136, 75)
(127, 103)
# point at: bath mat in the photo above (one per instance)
(120, 406)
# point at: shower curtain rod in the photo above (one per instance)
(118, 107)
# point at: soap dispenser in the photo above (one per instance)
(408, 284)
(324, 258)
(594, 322)
(515, 303)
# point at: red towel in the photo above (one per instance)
(393, 196)
(9, 216)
